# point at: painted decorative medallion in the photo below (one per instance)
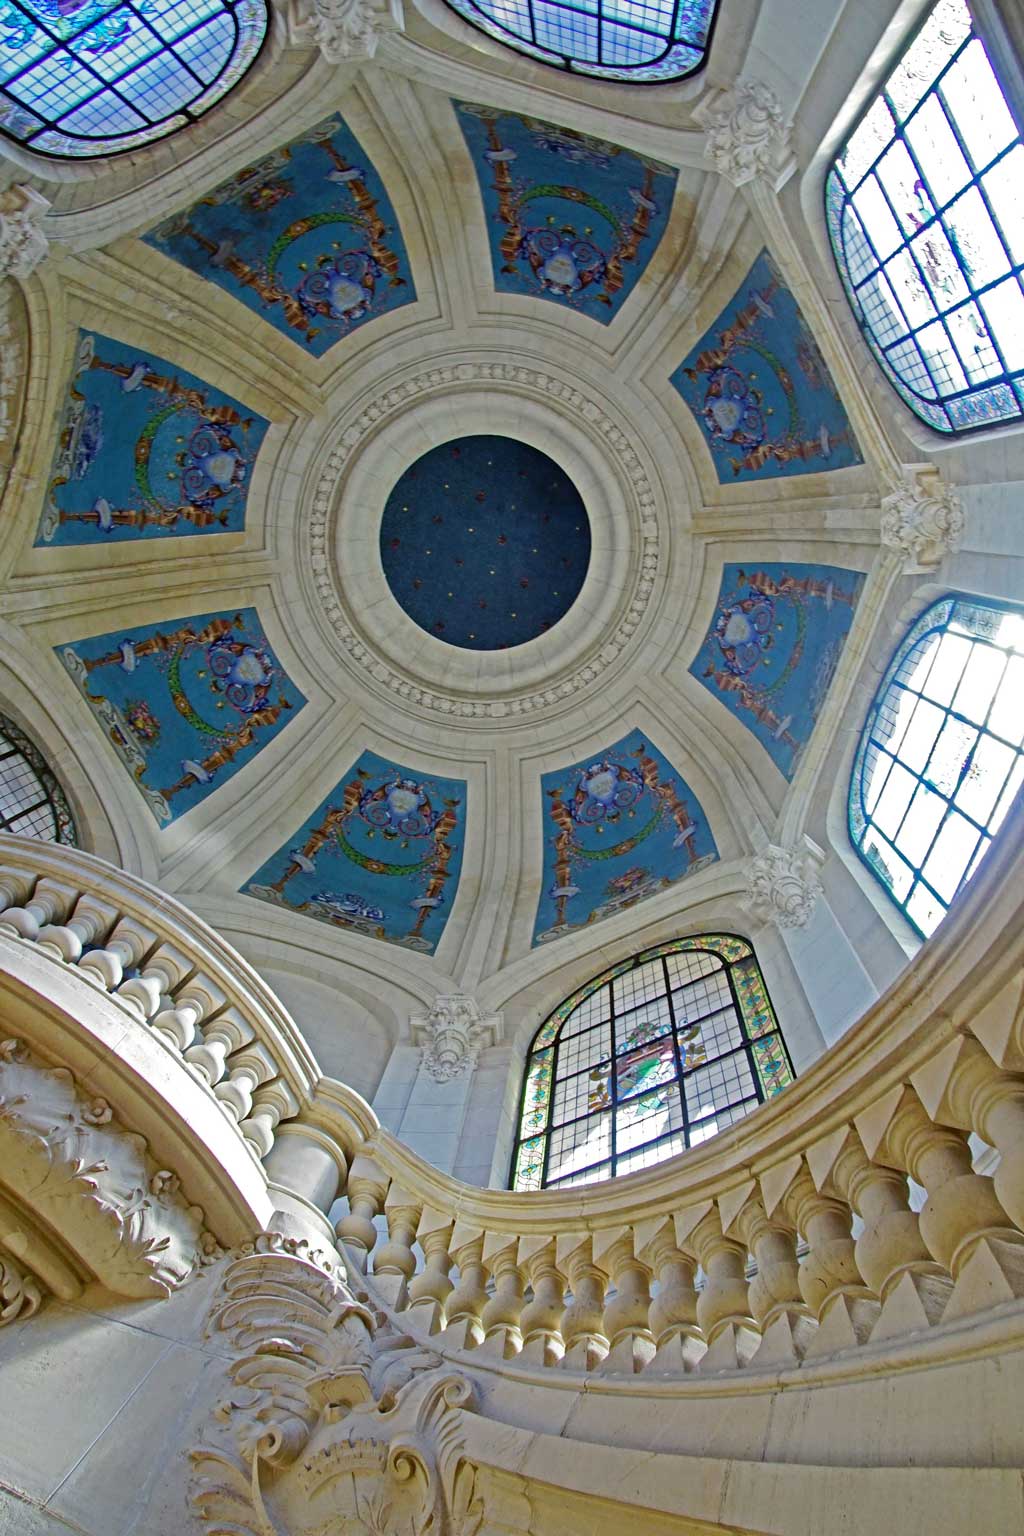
(570, 219)
(307, 238)
(773, 648)
(618, 828)
(760, 389)
(485, 542)
(185, 705)
(145, 449)
(380, 856)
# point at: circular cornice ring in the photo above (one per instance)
(533, 382)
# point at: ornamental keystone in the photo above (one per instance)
(747, 136)
(22, 243)
(783, 885)
(922, 518)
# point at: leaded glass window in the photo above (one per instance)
(940, 759)
(926, 221)
(32, 803)
(635, 40)
(96, 77)
(656, 1054)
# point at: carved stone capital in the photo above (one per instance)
(747, 136)
(452, 1035)
(345, 30)
(922, 518)
(65, 1158)
(783, 886)
(22, 243)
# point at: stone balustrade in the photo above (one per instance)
(846, 1215)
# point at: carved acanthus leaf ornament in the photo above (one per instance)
(922, 518)
(452, 1035)
(783, 886)
(747, 136)
(23, 246)
(345, 30)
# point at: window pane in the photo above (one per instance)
(32, 803)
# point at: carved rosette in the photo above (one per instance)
(22, 243)
(747, 136)
(452, 1035)
(345, 30)
(922, 518)
(65, 1158)
(327, 1423)
(783, 886)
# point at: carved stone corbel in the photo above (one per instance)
(783, 885)
(922, 518)
(452, 1035)
(747, 135)
(22, 243)
(344, 30)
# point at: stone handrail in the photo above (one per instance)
(170, 971)
(787, 1239)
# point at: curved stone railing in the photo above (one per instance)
(790, 1238)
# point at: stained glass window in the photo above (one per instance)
(635, 40)
(96, 77)
(927, 225)
(941, 756)
(654, 1055)
(32, 803)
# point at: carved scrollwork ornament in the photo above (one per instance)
(20, 1293)
(783, 886)
(747, 135)
(23, 245)
(452, 1035)
(922, 518)
(344, 30)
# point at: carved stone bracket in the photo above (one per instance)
(922, 518)
(747, 136)
(452, 1035)
(783, 885)
(344, 30)
(22, 243)
(328, 1423)
(64, 1158)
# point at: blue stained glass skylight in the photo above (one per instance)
(924, 214)
(81, 78)
(648, 41)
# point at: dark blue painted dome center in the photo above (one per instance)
(485, 542)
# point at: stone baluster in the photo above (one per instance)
(999, 1025)
(205, 1042)
(430, 1289)
(248, 1069)
(784, 1318)
(830, 1281)
(90, 920)
(672, 1318)
(15, 887)
(49, 902)
(165, 969)
(500, 1318)
(624, 1324)
(890, 1251)
(464, 1329)
(586, 1345)
(309, 1161)
(367, 1187)
(962, 1222)
(272, 1103)
(723, 1306)
(394, 1263)
(541, 1317)
(124, 948)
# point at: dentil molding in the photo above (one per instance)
(922, 518)
(22, 243)
(783, 885)
(452, 1035)
(549, 389)
(747, 135)
(344, 30)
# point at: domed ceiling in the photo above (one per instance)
(434, 535)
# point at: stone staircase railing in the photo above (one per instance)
(788, 1239)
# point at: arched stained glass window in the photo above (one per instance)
(634, 40)
(940, 759)
(926, 220)
(654, 1055)
(81, 78)
(32, 803)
